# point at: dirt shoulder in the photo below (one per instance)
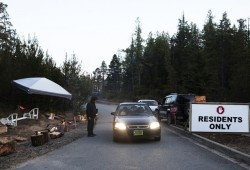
(23, 148)
(239, 142)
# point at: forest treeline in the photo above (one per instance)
(214, 62)
(25, 58)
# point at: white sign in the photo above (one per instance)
(219, 118)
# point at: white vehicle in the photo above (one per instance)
(153, 104)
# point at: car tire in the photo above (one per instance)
(158, 138)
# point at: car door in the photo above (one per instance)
(165, 106)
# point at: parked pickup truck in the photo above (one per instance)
(175, 107)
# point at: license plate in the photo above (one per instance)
(138, 132)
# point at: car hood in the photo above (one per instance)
(136, 119)
(153, 108)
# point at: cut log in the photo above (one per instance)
(45, 134)
(63, 127)
(51, 116)
(7, 148)
(54, 135)
(80, 117)
(37, 140)
(53, 129)
(3, 129)
(19, 138)
(5, 139)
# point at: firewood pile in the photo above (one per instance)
(48, 127)
(8, 144)
(52, 131)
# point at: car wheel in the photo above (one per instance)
(169, 119)
(158, 138)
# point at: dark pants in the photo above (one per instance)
(90, 126)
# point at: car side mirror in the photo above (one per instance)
(112, 113)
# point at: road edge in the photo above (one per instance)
(233, 153)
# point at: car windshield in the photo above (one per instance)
(134, 110)
(171, 99)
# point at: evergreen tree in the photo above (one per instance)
(103, 70)
(138, 53)
(50, 70)
(34, 58)
(7, 44)
(7, 34)
(114, 76)
(129, 65)
(180, 58)
(97, 79)
(150, 67)
(71, 70)
(133, 64)
(225, 37)
(157, 62)
(240, 68)
(210, 55)
(194, 69)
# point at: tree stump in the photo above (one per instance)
(37, 140)
(45, 134)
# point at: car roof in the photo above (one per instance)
(181, 94)
(131, 103)
(146, 100)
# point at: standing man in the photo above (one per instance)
(91, 114)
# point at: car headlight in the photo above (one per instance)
(154, 125)
(120, 126)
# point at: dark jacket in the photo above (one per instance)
(91, 110)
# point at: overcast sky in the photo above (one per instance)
(95, 30)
